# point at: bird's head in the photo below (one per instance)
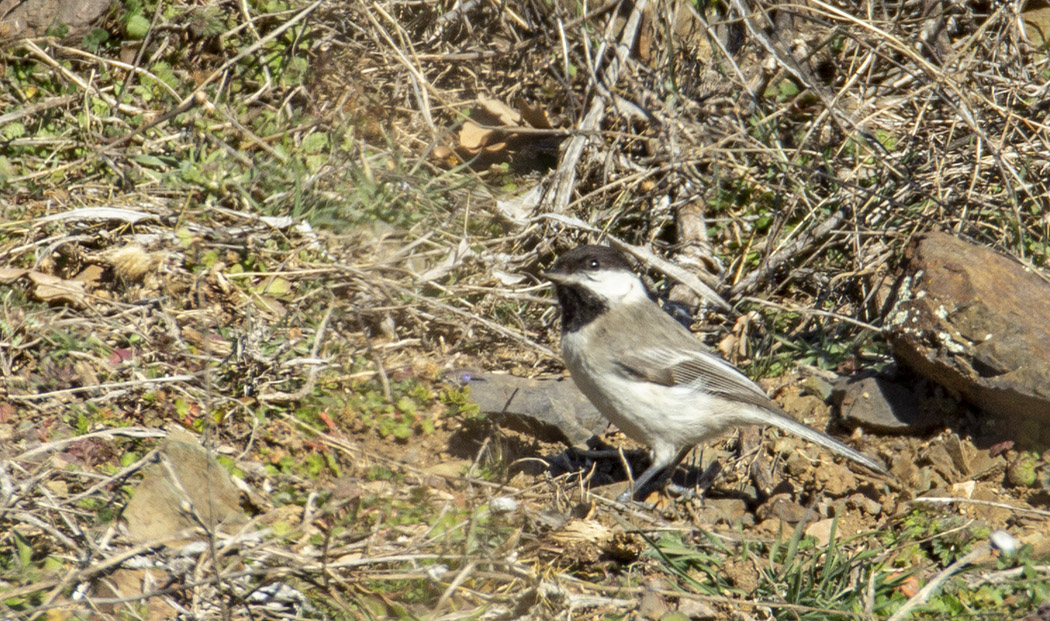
(599, 273)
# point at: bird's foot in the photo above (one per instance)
(680, 492)
(683, 493)
(626, 501)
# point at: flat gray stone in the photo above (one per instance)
(877, 404)
(551, 409)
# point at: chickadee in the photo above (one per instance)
(647, 373)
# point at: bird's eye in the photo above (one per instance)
(593, 264)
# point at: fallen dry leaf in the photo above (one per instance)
(11, 274)
(591, 531)
(503, 113)
(50, 288)
(496, 132)
(473, 136)
(534, 116)
(90, 275)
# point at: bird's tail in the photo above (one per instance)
(785, 422)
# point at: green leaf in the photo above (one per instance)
(25, 551)
(59, 31)
(333, 465)
(149, 160)
(165, 73)
(314, 464)
(315, 142)
(276, 286)
(788, 88)
(53, 565)
(94, 39)
(14, 130)
(136, 27)
(6, 169)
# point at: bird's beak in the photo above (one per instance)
(554, 276)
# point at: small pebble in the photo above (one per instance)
(1003, 541)
(503, 504)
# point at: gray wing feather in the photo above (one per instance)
(701, 370)
(685, 361)
(709, 373)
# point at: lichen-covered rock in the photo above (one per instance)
(977, 322)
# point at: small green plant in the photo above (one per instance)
(837, 576)
(460, 404)
(104, 511)
(698, 567)
(411, 410)
(25, 561)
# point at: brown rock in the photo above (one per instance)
(696, 609)
(941, 460)
(963, 454)
(653, 605)
(186, 488)
(835, 480)
(821, 530)
(32, 18)
(978, 323)
(865, 504)
(722, 510)
(780, 506)
(905, 469)
(803, 407)
(775, 528)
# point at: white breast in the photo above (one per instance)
(662, 417)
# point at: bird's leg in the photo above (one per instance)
(665, 479)
(663, 461)
(640, 483)
(702, 484)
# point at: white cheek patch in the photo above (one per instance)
(616, 286)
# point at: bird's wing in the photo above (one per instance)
(694, 368)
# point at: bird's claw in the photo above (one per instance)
(683, 493)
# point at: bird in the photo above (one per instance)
(648, 374)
